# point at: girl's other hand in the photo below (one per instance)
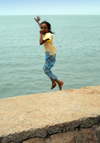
(41, 31)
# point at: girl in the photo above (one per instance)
(46, 38)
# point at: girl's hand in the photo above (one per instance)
(37, 19)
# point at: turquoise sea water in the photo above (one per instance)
(77, 40)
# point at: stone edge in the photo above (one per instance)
(50, 130)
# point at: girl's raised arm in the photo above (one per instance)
(37, 19)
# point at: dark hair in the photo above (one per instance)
(48, 25)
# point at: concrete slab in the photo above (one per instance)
(41, 114)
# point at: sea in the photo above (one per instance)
(77, 41)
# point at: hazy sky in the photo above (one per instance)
(39, 7)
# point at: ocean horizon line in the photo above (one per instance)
(50, 15)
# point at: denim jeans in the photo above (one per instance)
(49, 63)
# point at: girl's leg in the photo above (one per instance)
(60, 83)
(53, 83)
(48, 72)
(53, 78)
(48, 65)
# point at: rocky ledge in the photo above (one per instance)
(67, 116)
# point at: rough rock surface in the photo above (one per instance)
(49, 116)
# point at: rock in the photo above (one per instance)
(79, 138)
(68, 137)
(35, 140)
(98, 134)
(87, 123)
(88, 135)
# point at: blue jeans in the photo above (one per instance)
(49, 63)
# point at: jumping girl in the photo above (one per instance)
(46, 38)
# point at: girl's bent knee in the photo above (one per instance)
(45, 69)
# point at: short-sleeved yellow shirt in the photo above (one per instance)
(48, 45)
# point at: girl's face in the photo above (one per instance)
(44, 28)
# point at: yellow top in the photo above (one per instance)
(48, 45)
